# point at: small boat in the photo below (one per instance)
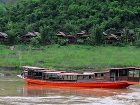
(62, 78)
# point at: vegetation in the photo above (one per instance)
(7, 1)
(70, 57)
(71, 16)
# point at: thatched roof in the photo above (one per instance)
(81, 33)
(78, 35)
(110, 31)
(104, 33)
(4, 35)
(32, 34)
(113, 31)
(112, 36)
(61, 34)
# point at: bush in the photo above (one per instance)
(137, 44)
(119, 44)
(62, 42)
(35, 42)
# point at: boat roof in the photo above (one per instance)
(88, 73)
(69, 73)
(52, 72)
(137, 69)
(44, 70)
(32, 68)
(117, 68)
(80, 74)
(124, 68)
(101, 72)
(129, 67)
(28, 68)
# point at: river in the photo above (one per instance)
(13, 91)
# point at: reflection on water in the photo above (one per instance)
(36, 90)
(15, 92)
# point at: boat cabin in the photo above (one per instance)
(34, 72)
(127, 73)
(53, 75)
(131, 74)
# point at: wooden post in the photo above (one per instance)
(133, 74)
(127, 74)
(77, 78)
(42, 75)
(114, 76)
(118, 74)
(139, 75)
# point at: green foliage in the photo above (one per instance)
(71, 16)
(46, 35)
(62, 42)
(35, 41)
(137, 43)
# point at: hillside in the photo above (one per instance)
(70, 16)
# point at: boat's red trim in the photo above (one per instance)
(118, 84)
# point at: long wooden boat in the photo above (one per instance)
(106, 79)
(117, 85)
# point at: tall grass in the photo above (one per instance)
(70, 57)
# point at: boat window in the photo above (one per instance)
(131, 73)
(90, 77)
(99, 74)
(69, 77)
(95, 75)
(29, 73)
(123, 73)
(52, 76)
(136, 73)
(37, 73)
(80, 77)
(102, 74)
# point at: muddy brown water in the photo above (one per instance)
(13, 91)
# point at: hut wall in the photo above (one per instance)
(72, 40)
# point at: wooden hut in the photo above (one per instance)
(123, 35)
(110, 39)
(129, 35)
(72, 39)
(3, 37)
(112, 36)
(27, 37)
(61, 34)
(82, 36)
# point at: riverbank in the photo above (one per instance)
(70, 57)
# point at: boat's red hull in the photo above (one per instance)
(118, 84)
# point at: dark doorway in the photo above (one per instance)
(114, 75)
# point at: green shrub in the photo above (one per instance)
(35, 42)
(137, 44)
